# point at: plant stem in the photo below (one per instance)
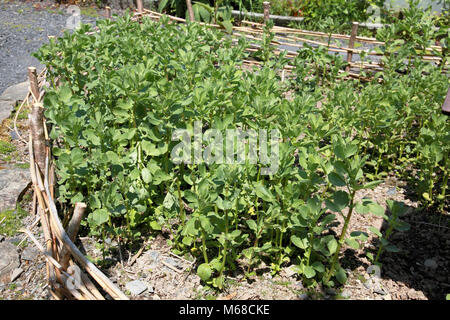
(180, 202)
(225, 247)
(341, 238)
(205, 256)
(444, 184)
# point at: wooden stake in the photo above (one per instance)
(140, 7)
(190, 10)
(72, 230)
(88, 283)
(351, 44)
(37, 132)
(108, 12)
(32, 76)
(446, 105)
(44, 221)
(266, 5)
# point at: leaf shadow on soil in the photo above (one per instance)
(423, 262)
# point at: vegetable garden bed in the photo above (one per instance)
(118, 95)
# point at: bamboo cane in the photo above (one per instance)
(351, 44)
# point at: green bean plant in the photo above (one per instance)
(120, 96)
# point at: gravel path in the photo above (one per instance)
(24, 27)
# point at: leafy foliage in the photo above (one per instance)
(124, 90)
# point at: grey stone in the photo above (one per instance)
(16, 273)
(136, 287)
(172, 262)
(330, 291)
(368, 284)
(150, 258)
(9, 261)
(299, 285)
(303, 296)
(290, 271)
(29, 253)
(430, 263)
(392, 191)
(6, 107)
(378, 289)
(17, 92)
(13, 182)
(13, 240)
(345, 294)
(13, 135)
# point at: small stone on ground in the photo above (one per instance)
(430, 263)
(9, 261)
(13, 182)
(136, 287)
(29, 253)
(16, 273)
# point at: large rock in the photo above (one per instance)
(17, 92)
(9, 98)
(9, 261)
(6, 107)
(13, 182)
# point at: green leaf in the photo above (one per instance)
(375, 231)
(113, 158)
(155, 225)
(339, 151)
(264, 194)
(187, 240)
(352, 243)
(65, 94)
(190, 228)
(360, 235)
(227, 25)
(159, 177)
(402, 226)
(204, 271)
(125, 105)
(309, 272)
(146, 175)
(252, 225)
(162, 5)
(372, 184)
(318, 266)
(152, 150)
(376, 209)
(340, 201)
(426, 196)
(332, 246)
(168, 201)
(336, 180)
(188, 179)
(206, 224)
(301, 243)
(392, 248)
(100, 216)
(341, 276)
